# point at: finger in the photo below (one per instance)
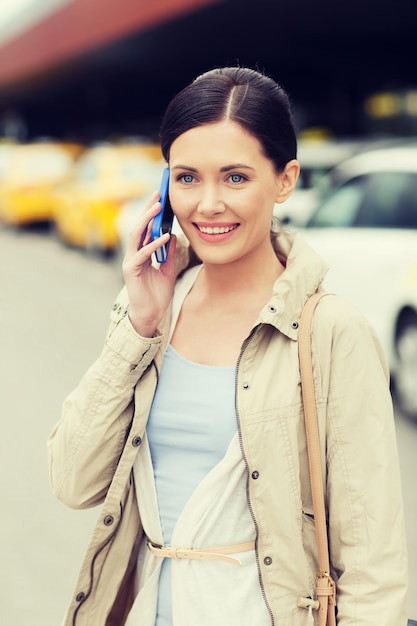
(144, 254)
(168, 268)
(158, 242)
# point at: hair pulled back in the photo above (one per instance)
(239, 94)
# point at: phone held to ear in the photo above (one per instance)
(162, 222)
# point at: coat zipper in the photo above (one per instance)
(243, 348)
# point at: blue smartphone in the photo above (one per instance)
(162, 222)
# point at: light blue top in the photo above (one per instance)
(191, 424)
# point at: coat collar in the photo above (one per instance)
(304, 273)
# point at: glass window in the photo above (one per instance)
(88, 169)
(131, 169)
(341, 207)
(5, 158)
(391, 201)
(53, 163)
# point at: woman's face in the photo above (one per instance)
(223, 191)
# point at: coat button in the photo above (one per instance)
(272, 309)
(245, 385)
(255, 475)
(294, 325)
(80, 596)
(108, 520)
(136, 441)
(267, 560)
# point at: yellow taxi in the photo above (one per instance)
(104, 178)
(28, 178)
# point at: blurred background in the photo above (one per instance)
(83, 87)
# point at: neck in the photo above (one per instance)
(250, 277)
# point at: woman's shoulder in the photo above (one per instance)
(338, 322)
(340, 328)
(337, 311)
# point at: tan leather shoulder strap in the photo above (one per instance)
(326, 591)
(312, 433)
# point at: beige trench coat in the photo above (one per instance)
(93, 447)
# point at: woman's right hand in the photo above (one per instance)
(149, 288)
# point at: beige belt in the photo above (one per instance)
(204, 554)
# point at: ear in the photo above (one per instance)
(287, 180)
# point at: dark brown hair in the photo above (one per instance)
(242, 95)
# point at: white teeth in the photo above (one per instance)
(216, 230)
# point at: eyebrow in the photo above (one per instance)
(226, 168)
(236, 166)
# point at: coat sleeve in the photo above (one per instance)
(366, 525)
(85, 445)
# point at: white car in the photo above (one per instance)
(366, 229)
(316, 157)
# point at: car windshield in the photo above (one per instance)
(310, 177)
(32, 165)
(88, 169)
(5, 154)
(378, 200)
(54, 162)
(134, 168)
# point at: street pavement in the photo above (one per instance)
(54, 312)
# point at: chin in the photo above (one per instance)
(216, 257)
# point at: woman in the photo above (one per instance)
(189, 426)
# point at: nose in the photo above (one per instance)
(210, 202)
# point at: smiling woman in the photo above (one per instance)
(189, 426)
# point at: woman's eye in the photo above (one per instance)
(236, 178)
(187, 178)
